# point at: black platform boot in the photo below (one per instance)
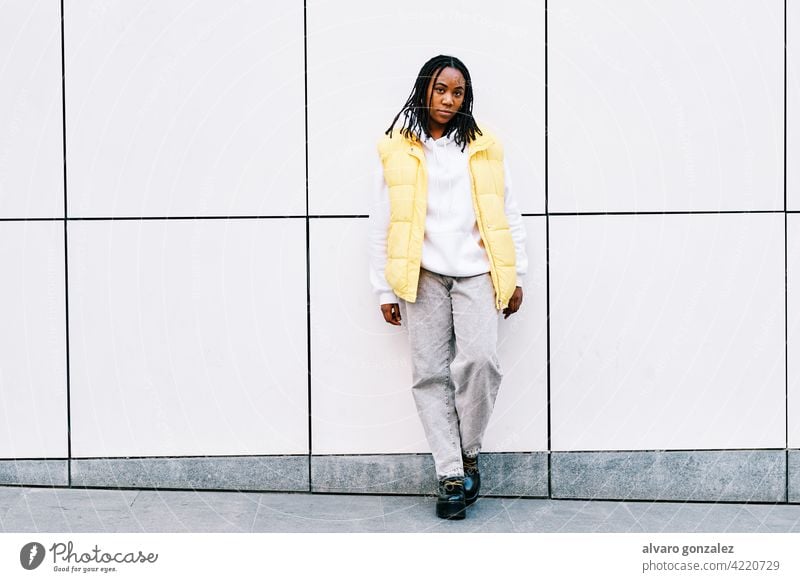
(472, 479)
(451, 504)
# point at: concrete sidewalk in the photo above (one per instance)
(26, 509)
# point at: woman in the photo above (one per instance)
(447, 248)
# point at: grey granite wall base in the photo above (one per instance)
(758, 475)
(269, 473)
(794, 476)
(737, 476)
(507, 474)
(34, 472)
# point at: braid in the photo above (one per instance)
(416, 112)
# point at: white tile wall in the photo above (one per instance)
(361, 371)
(665, 105)
(31, 129)
(33, 359)
(519, 421)
(360, 365)
(363, 59)
(188, 337)
(667, 332)
(178, 108)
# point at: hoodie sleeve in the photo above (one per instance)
(378, 229)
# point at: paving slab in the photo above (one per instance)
(69, 510)
(569, 516)
(776, 518)
(194, 511)
(103, 510)
(288, 512)
(693, 517)
(8, 497)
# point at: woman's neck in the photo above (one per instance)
(436, 131)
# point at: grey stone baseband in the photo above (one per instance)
(736, 476)
(34, 472)
(502, 474)
(267, 473)
(757, 475)
(794, 476)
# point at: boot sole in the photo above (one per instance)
(451, 510)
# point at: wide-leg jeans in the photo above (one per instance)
(452, 330)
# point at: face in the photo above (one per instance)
(445, 97)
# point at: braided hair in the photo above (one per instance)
(416, 112)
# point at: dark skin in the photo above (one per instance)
(445, 99)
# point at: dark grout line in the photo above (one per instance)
(660, 212)
(547, 261)
(657, 451)
(143, 218)
(66, 249)
(785, 264)
(547, 213)
(308, 240)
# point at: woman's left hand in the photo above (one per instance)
(514, 302)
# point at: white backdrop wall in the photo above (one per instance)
(210, 243)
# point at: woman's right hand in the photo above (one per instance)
(391, 313)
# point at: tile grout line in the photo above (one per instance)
(366, 216)
(66, 248)
(308, 240)
(785, 262)
(547, 263)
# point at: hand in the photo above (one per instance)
(514, 303)
(391, 313)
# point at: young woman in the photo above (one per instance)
(447, 248)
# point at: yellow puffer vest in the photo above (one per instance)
(406, 175)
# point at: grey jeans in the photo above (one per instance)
(452, 331)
